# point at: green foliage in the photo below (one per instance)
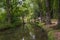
(51, 35)
(29, 9)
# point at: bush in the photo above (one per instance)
(15, 21)
(51, 35)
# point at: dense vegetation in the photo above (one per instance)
(29, 19)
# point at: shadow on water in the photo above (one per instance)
(40, 34)
(28, 33)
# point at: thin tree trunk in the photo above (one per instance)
(59, 14)
(40, 7)
(51, 14)
(48, 19)
(41, 16)
(8, 9)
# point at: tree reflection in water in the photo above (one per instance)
(29, 33)
(36, 33)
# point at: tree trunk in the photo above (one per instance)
(41, 16)
(40, 7)
(48, 19)
(51, 14)
(8, 9)
(59, 14)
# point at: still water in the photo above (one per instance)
(28, 33)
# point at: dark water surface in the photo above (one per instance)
(29, 33)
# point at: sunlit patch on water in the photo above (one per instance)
(23, 38)
(32, 35)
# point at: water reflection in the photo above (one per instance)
(32, 35)
(40, 34)
(23, 38)
(28, 33)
